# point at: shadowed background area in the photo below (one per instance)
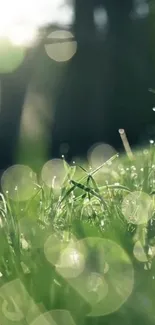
(85, 71)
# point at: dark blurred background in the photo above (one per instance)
(103, 87)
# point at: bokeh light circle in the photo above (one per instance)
(97, 287)
(60, 49)
(105, 292)
(100, 17)
(52, 248)
(53, 173)
(71, 263)
(31, 232)
(137, 207)
(99, 154)
(11, 56)
(66, 256)
(23, 35)
(17, 306)
(106, 268)
(54, 317)
(139, 252)
(19, 182)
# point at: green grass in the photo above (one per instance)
(88, 205)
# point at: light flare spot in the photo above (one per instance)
(21, 35)
(139, 252)
(54, 246)
(99, 154)
(100, 17)
(105, 292)
(137, 207)
(97, 288)
(18, 182)
(54, 317)
(71, 263)
(53, 173)
(17, 305)
(62, 46)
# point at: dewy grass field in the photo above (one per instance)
(77, 244)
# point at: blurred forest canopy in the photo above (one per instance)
(85, 100)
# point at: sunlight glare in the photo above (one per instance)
(97, 285)
(32, 13)
(23, 35)
(54, 317)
